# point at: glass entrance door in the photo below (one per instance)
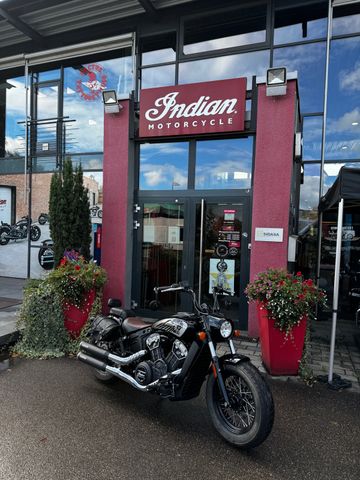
(201, 241)
(161, 253)
(221, 254)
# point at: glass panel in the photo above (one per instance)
(47, 102)
(331, 171)
(221, 68)
(343, 125)
(346, 20)
(312, 131)
(309, 197)
(223, 228)
(48, 75)
(229, 29)
(224, 164)
(83, 101)
(159, 49)
(12, 165)
(350, 258)
(158, 76)
(308, 218)
(15, 112)
(164, 166)
(309, 62)
(162, 252)
(294, 24)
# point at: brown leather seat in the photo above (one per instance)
(131, 324)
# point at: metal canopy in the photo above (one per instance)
(32, 25)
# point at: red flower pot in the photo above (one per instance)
(280, 356)
(74, 317)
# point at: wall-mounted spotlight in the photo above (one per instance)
(110, 101)
(276, 81)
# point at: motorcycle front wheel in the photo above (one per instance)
(42, 219)
(249, 418)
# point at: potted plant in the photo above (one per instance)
(284, 303)
(77, 282)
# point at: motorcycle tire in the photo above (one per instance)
(249, 419)
(35, 233)
(3, 232)
(48, 252)
(42, 219)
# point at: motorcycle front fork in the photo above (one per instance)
(217, 369)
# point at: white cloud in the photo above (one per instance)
(350, 79)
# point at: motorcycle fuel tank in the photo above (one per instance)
(176, 326)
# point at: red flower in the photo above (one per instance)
(63, 261)
(301, 296)
(309, 282)
(281, 283)
(77, 267)
(298, 274)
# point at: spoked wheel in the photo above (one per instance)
(35, 233)
(4, 232)
(248, 420)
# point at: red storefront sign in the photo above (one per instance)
(196, 108)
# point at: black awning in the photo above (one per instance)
(346, 186)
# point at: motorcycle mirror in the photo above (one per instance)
(114, 302)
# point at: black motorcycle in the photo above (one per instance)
(46, 254)
(173, 356)
(43, 218)
(19, 231)
(96, 211)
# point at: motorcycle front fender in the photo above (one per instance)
(231, 359)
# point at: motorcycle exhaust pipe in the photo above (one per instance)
(102, 354)
(93, 362)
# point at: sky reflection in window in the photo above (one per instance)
(343, 125)
(224, 164)
(164, 166)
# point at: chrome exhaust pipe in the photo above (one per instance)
(106, 356)
(117, 372)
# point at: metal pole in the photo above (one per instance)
(323, 136)
(201, 247)
(28, 168)
(336, 287)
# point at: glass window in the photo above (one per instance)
(229, 29)
(164, 166)
(159, 49)
(296, 24)
(312, 131)
(224, 164)
(158, 76)
(83, 85)
(309, 196)
(222, 68)
(309, 62)
(346, 20)
(15, 112)
(343, 124)
(49, 75)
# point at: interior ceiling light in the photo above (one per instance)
(344, 147)
(355, 124)
(276, 81)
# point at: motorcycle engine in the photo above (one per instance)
(150, 370)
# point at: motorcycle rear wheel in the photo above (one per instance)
(42, 219)
(249, 419)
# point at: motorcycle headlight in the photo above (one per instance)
(226, 329)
